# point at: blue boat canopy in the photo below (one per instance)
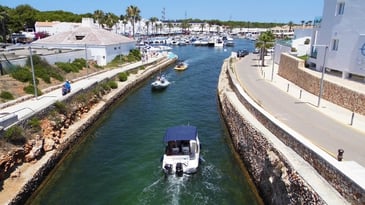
(182, 132)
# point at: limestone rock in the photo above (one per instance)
(49, 144)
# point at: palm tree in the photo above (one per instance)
(184, 25)
(170, 26)
(202, 25)
(290, 24)
(308, 23)
(147, 25)
(133, 15)
(265, 41)
(99, 17)
(209, 26)
(302, 22)
(153, 20)
(111, 20)
(124, 20)
(160, 26)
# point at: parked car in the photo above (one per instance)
(257, 51)
(242, 53)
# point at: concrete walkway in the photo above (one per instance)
(327, 127)
(26, 108)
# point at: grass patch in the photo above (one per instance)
(15, 135)
(123, 76)
(6, 95)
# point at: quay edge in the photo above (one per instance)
(280, 174)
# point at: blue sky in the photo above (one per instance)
(277, 11)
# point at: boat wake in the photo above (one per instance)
(172, 187)
(200, 188)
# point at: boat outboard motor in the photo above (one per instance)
(179, 169)
(168, 168)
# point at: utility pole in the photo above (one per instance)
(322, 76)
(33, 75)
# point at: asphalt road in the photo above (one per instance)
(322, 130)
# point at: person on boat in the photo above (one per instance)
(162, 79)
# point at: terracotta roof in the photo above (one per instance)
(85, 35)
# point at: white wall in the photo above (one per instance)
(349, 29)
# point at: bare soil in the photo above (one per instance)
(16, 88)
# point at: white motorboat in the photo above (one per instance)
(182, 150)
(160, 83)
(218, 42)
(158, 48)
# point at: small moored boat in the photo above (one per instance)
(160, 83)
(182, 149)
(181, 66)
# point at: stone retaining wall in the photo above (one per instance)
(256, 152)
(292, 69)
(55, 157)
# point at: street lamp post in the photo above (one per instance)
(33, 75)
(322, 76)
(272, 67)
(86, 64)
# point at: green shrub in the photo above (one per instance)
(30, 90)
(60, 107)
(22, 75)
(79, 63)
(123, 76)
(35, 124)
(136, 53)
(57, 76)
(15, 135)
(105, 86)
(6, 95)
(42, 73)
(112, 84)
(67, 67)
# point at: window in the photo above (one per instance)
(79, 37)
(340, 8)
(335, 43)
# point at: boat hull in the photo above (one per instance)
(181, 67)
(182, 151)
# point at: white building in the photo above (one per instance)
(338, 42)
(55, 27)
(101, 45)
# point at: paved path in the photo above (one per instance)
(28, 107)
(326, 126)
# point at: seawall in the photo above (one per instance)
(284, 167)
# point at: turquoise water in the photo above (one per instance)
(119, 162)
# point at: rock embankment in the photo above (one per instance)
(24, 169)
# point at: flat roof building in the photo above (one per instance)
(338, 41)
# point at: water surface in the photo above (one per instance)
(120, 160)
